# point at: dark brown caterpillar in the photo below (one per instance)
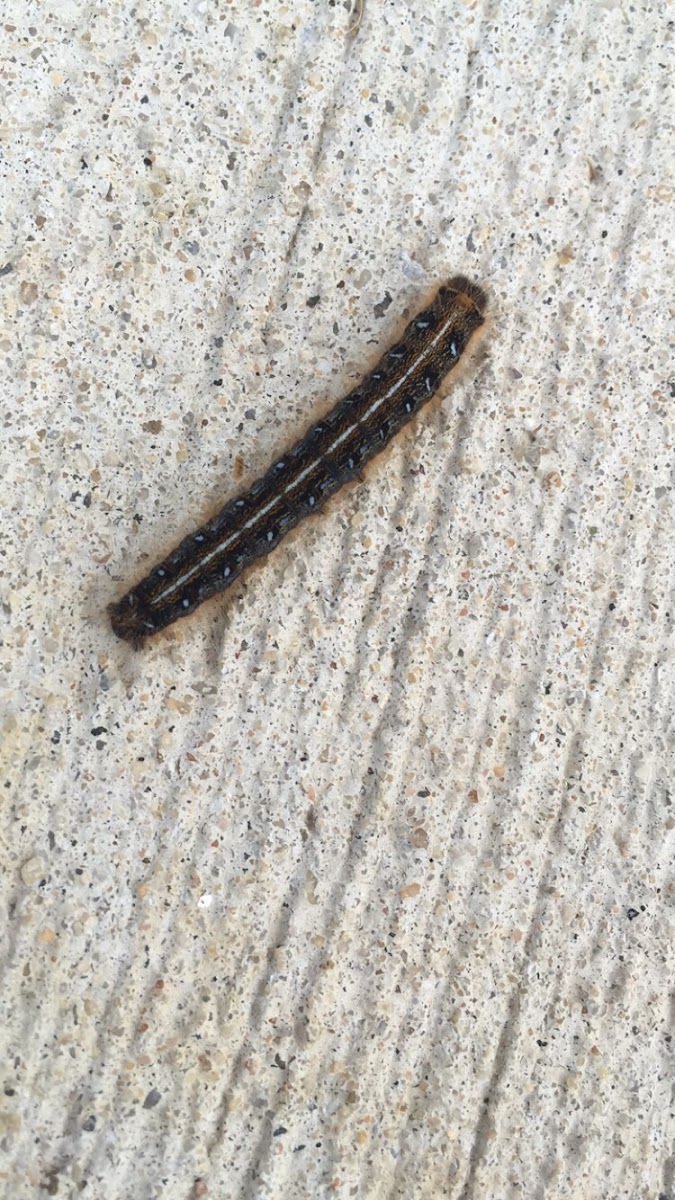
(328, 456)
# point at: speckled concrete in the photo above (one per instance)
(358, 882)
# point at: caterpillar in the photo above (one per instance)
(299, 482)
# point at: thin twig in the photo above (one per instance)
(358, 9)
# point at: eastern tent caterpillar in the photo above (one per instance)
(297, 484)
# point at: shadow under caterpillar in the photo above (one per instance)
(330, 454)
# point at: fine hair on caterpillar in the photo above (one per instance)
(298, 483)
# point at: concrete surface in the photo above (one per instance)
(359, 882)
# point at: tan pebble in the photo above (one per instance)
(412, 889)
(33, 870)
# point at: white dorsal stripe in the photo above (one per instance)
(196, 567)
